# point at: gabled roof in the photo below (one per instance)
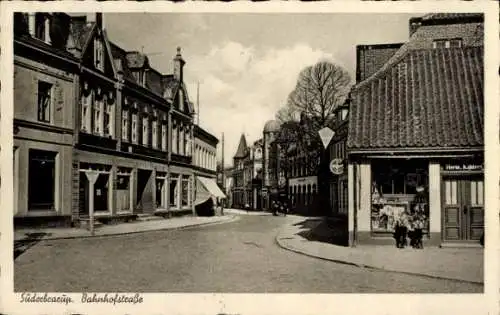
(136, 59)
(80, 31)
(242, 150)
(121, 64)
(431, 98)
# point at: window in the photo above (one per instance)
(181, 100)
(145, 131)
(185, 199)
(447, 43)
(174, 192)
(40, 26)
(135, 128)
(108, 120)
(99, 54)
(396, 177)
(161, 191)
(98, 117)
(181, 141)
(174, 140)
(164, 137)
(44, 100)
(41, 180)
(154, 127)
(125, 124)
(456, 43)
(86, 116)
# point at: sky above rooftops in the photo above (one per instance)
(247, 64)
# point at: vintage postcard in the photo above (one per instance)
(279, 158)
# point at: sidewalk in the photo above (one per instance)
(463, 264)
(244, 212)
(122, 228)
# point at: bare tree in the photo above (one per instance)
(319, 90)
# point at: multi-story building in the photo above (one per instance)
(205, 166)
(247, 175)
(45, 76)
(269, 166)
(97, 107)
(415, 137)
(337, 155)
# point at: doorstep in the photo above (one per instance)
(461, 245)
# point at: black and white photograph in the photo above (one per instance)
(245, 152)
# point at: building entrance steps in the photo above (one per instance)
(301, 235)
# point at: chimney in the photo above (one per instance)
(178, 65)
(415, 23)
(95, 17)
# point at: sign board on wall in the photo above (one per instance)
(463, 167)
(337, 166)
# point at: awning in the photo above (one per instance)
(206, 188)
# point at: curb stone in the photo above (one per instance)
(233, 218)
(350, 263)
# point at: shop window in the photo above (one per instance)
(44, 101)
(41, 180)
(174, 192)
(185, 191)
(161, 192)
(398, 186)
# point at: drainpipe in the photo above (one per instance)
(355, 206)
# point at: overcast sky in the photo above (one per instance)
(247, 64)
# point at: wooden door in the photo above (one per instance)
(463, 208)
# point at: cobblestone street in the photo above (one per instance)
(240, 256)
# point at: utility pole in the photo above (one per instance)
(222, 166)
(198, 104)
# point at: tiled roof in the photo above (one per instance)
(446, 16)
(430, 98)
(121, 61)
(136, 60)
(80, 31)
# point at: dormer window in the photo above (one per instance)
(39, 26)
(98, 54)
(447, 43)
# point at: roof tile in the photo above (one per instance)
(430, 98)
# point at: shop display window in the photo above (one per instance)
(399, 186)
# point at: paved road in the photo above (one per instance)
(234, 257)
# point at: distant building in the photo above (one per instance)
(269, 168)
(247, 175)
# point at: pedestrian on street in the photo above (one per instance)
(401, 224)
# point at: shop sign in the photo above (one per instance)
(337, 166)
(463, 167)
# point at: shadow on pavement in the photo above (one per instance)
(327, 230)
(31, 240)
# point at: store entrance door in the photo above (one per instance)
(463, 208)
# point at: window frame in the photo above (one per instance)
(49, 94)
